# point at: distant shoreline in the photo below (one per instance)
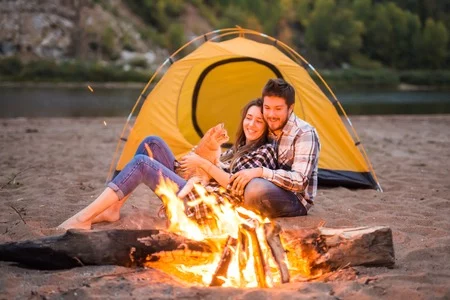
(411, 87)
(111, 85)
(140, 85)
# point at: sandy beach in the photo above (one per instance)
(51, 168)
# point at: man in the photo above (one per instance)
(290, 190)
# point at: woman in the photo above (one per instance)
(250, 150)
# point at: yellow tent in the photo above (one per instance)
(212, 84)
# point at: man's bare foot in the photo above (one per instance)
(109, 215)
(73, 223)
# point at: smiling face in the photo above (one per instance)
(276, 113)
(253, 124)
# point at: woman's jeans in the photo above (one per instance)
(143, 169)
(261, 196)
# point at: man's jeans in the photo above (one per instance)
(264, 197)
(143, 169)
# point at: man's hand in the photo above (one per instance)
(239, 180)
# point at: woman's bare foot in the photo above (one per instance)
(74, 223)
(109, 215)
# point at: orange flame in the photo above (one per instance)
(228, 221)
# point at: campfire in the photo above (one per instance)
(247, 249)
(231, 247)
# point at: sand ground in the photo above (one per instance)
(51, 168)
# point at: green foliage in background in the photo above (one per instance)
(433, 44)
(162, 17)
(10, 66)
(365, 34)
(367, 40)
(333, 32)
(354, 77)
(400, 34)
(74, 71)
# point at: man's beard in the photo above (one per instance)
(278, 122)
(278, 125)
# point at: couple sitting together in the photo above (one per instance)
(271, 169)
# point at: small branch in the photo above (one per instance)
(79, 261)
(18, 214)
(15, 175)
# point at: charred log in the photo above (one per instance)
(129, 248)
(334, 248)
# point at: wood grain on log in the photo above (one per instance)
(337, 247)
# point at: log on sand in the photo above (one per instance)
(339, 247)
(129, 248)
(322, 247)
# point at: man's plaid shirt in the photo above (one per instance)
(264, 156)
(298, 150)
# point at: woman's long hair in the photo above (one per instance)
(240, 147)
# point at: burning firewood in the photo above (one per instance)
(247, 239)
(260, 263)
(248, 245)
(225, 259)
(272, 231)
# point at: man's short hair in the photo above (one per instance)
(280, 88)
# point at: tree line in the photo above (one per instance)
(369, 34)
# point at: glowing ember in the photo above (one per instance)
(243, 257)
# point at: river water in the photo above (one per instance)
(79, 101)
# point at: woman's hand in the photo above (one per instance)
(191, 161)
(238, 181)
